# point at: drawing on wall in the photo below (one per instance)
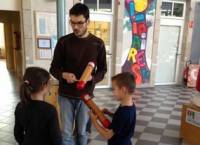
(140, 18)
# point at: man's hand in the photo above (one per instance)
(69, 77)
(89, 79)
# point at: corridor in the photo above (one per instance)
(9, 97)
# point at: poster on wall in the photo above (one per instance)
(193, 117)
(138, 37)
(46, 26)
(45, 54)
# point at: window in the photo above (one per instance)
(172, 9)
(92, 4)
(178, 10)
(105, 5)
(99, 5)
(166, 9)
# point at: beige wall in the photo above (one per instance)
(47, 7)
(12, 5)
(118, 50)
(186, 42)
(188, 32)
(29, 7)
(188, 38)
(155, 44)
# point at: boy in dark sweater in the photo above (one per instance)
(123, 123)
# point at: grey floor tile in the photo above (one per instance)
(161, 120)
(172, 127)
(153, 130)
(170, 140)
(150, 137)
(144, 142)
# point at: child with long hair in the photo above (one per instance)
(122, 126)
(36, 122)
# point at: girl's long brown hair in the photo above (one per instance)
(33, 81)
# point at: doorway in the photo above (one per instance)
(167, 54)
(170, 43)
(2, 41)
(10, 46)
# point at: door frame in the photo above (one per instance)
(176, 23)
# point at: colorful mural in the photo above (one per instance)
(136, 60)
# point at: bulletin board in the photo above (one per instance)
(46, 34)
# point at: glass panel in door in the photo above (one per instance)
(167, 54)
(92, 4)
(100, 26)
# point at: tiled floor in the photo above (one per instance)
(8, 98)
(158, 112)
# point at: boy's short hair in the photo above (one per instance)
(125, 79)
(80, 9)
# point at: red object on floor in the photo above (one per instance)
(198, 81)
(192, 75)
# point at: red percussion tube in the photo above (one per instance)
(85, 76)
(90, 103)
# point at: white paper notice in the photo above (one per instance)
(45, 53)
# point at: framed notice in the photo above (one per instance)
(193, 117)
(44, 43)
(44, 49)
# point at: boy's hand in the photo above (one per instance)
(93, 117)
(106, 111)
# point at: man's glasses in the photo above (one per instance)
(79, 24)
